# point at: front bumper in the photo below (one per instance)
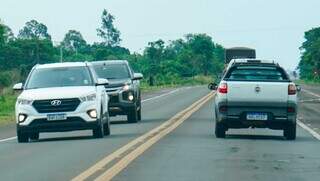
(71, 124)
(118, 105)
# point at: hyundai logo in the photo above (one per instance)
(56, 103)
(257, 89)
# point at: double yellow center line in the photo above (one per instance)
(114, 163)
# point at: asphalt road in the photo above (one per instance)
(190, 152)
(62, 156)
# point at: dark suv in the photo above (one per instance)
(123, 89)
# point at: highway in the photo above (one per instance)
(174, 141)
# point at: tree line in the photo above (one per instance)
(309, 65)
(161, 62)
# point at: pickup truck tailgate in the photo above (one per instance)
(257, 92)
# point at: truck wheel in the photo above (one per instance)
(133, 116)
(290, 132)
(34, 136)
(220, 130)
(22, 137)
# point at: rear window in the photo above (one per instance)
(250, 73)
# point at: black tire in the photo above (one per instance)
(133, 115)
(106, 127)
(99, 130)
(22, 137)
(139, 114)
(139, 111)
(220, 130)
(34, 136)
(290, 132)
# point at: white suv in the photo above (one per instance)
(62, 97)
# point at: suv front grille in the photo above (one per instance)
(114, 98)
(67, 105)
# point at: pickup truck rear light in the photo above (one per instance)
(292, 89)
(291, 110)
(223, 88)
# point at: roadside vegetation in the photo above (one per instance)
(309, 65)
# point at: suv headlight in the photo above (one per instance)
(24, 101)
(126, 87)
(91, 97)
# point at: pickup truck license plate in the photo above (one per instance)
(257, 116)
(56, 117)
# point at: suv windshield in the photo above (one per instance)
(112, 71)
(250, 73)
(59, 77)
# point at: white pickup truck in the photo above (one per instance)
(255, 94)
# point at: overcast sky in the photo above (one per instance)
(274, 27)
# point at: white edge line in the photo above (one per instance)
(311, 93)
(162, 95)
(8, 139)
(307, 128)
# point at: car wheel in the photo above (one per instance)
(290, 132)
(98, 131)
(34, 136)
(106, 127)
(22, 137)
(220, 130)
(133, 116)
(139, 114)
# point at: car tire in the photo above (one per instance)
(106, 127)
(22, 137)
(34, 136)
(133, 115)
(98, 131)
(290, 132)
(139, 114)
(220, 130)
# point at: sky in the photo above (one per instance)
(275, 28)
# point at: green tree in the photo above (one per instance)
(108, 31)
(310, 61)
(154, 52)
(34, 30)
(37, 41)
(203, 48)
(73, 41)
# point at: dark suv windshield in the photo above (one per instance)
(112, 71)
(251, 73)
(59, 77)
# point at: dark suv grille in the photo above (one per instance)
(113, 98)
(67, 105)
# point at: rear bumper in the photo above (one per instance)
(71, 124)
(235, 115)
(276, 123)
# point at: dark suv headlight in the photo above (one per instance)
(128, 96)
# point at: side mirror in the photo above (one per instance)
(212, 86)
(137, 76)
(18, 87)
(298, 88)
(102, 82)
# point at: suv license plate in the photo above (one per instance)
(257, 116)
(56, 117)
